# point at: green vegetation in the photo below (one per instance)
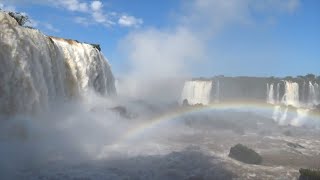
(245, 154)
(309, 174)
(97, 46)
(20, 18)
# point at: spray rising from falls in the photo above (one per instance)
(37, 70)
(197, 92)
(294, 107)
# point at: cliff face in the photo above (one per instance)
(37, 70)
(303, 91)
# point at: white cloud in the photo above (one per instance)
(97, 13)
(96, 5)
(83, 21)
(129, 21)
(72, 5)
(89, 13)
(50, 27)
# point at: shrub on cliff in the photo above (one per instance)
(244, 154)
(97, 46)
(20, 18)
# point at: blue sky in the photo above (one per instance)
(195, 37)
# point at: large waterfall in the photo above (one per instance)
(37, 70)
(197, 92)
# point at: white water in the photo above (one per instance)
(291, 96)
(197, 92)
(270, 91)
(217, 92)
(278, 92)
(37, 70)
(313, 98)
(301, 119)
(295, 117)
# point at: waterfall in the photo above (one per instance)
(291, 96)
(304, 92)
(37, 70)
(217, 92)
(317, 93)
(270, 93)
(197, 92)
(278, 92)
(313, 98)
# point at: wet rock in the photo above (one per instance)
(244, 154)
(294, 145)
(309, 174)
(123, 112)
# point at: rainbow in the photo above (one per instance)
(244, 106)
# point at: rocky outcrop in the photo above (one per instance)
(244, 154)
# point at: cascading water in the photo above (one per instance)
(278, 92)
(304, 93)
(270, 98)
(291, 96)
(217, 92)
(317, 93)
(37, 70)
(197, 92)
(313, 98)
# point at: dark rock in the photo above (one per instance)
(294, 145)
(309, 174)
(185, 102)
(123, 112)
(244, 154)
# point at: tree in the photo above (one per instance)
(310, 77)
(20, 18)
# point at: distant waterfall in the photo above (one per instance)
(270, 93)
(313, 98)
(278, 92)
(304, 93)
(317, 93)
(217, 92)
(197, 92)
(291, 96)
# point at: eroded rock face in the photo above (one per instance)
(244, 154)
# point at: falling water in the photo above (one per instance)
(36, 69)
(317, 93)
(217, 92)
(291, 96)
(313, 98)
(278, 92)
(270, 98)
(197, 92)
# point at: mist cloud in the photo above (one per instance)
(162, 53)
